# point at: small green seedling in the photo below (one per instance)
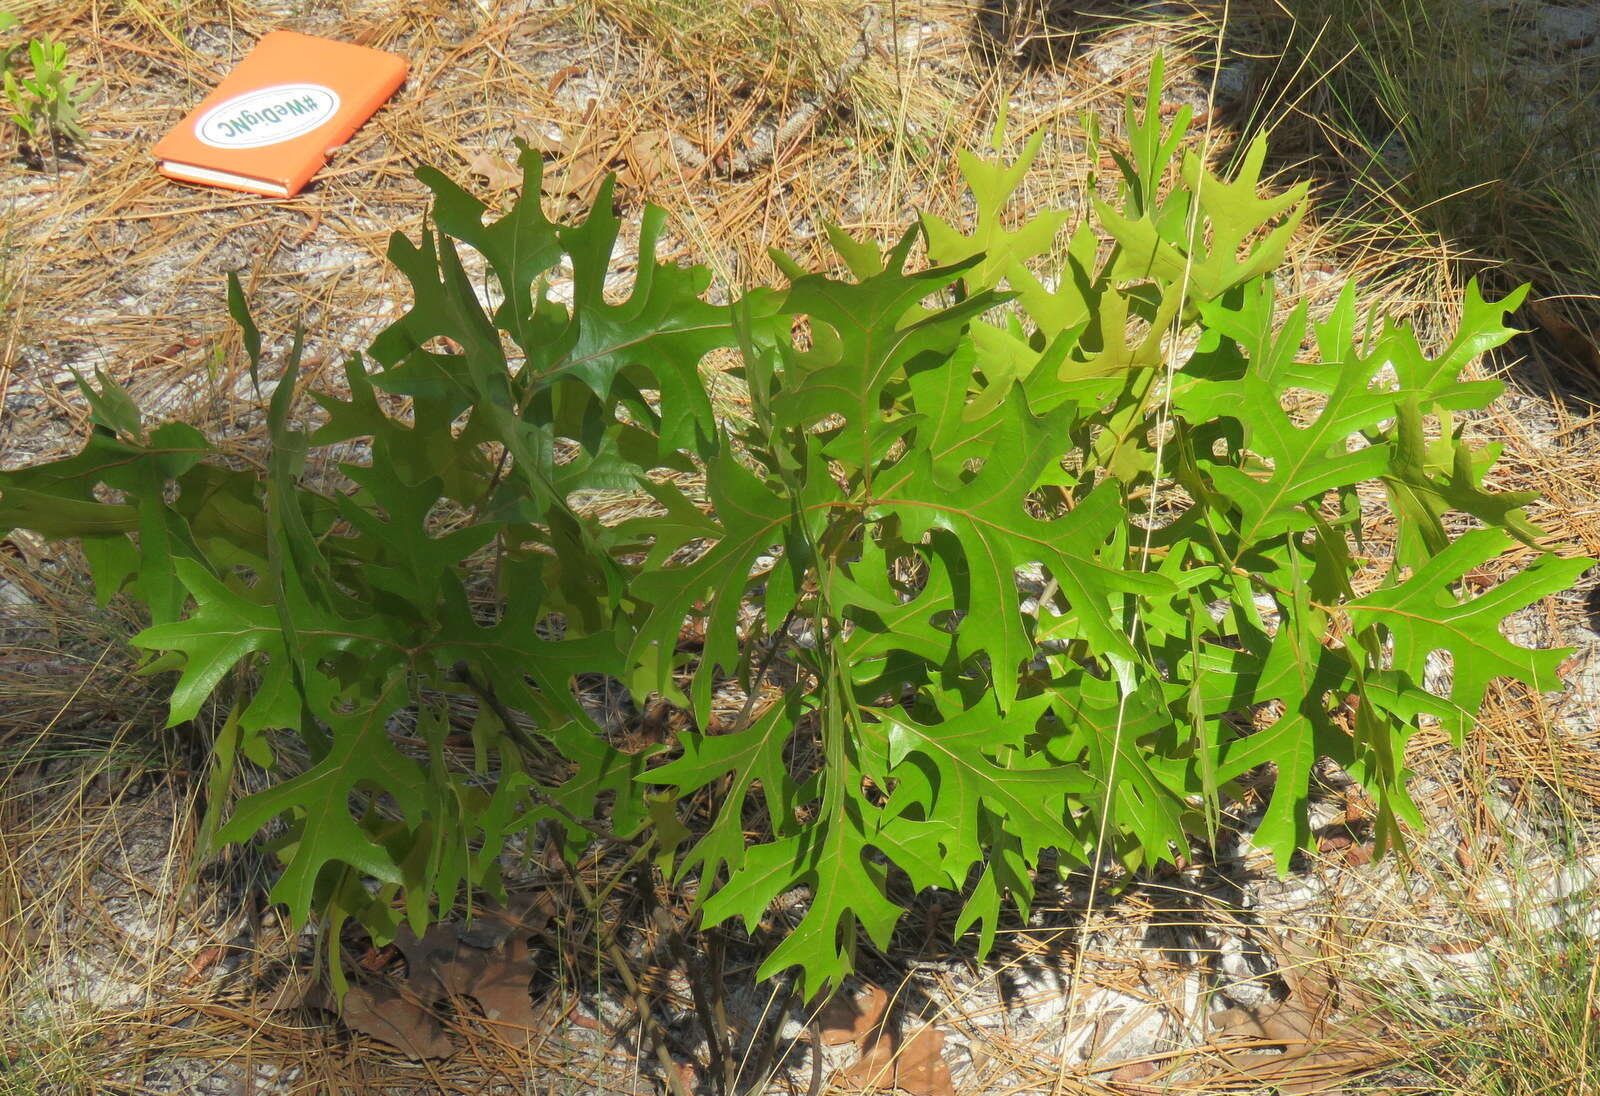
(45, 104)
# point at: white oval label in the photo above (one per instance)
(267, 115)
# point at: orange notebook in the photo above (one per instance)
(273, 123)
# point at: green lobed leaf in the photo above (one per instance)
(1424, 614)
(361, 756)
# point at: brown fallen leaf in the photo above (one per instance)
(577, 175)
(1578, 347)
(526, 912)
(440, 965)
(649, 156)
(488, 962)
(1133, 1071)
(500, 173)
(852, 1020)
(203, 961)
(500, 986)
(560, 77)
(426, 957)
(377, 1011)
(915, 1065)
(382, 1013)
(1315, 1049)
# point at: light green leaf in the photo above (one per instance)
(1425, 613)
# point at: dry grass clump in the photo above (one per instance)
(1471, 123)
(1484, 961)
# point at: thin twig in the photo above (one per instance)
(719, 1054)
(636, 993)
(769, 1049)
(485, 693)
(719, 1002)
(815, 1086)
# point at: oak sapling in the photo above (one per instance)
(1028, 548)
